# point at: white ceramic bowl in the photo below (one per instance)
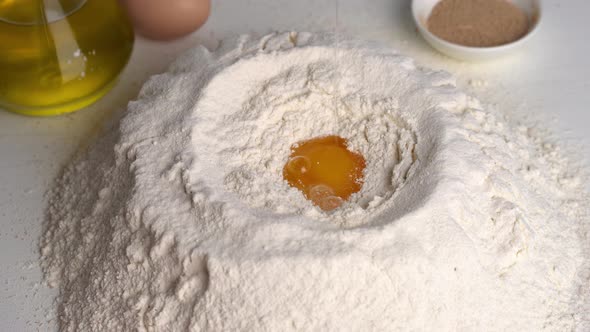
(421, 10)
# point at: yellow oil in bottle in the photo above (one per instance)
(57, 56)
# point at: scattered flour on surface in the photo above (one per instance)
(178, 218)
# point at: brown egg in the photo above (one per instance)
(167, 19)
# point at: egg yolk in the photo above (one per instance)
(325, 171)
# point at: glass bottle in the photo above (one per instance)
(57, 56)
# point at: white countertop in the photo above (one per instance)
(551, 77)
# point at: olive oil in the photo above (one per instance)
(57, 56)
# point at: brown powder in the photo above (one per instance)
(478, 23)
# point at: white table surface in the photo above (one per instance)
(551, 76)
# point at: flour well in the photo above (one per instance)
(179, 217)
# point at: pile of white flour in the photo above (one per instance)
(179, 217)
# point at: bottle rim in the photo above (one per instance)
(50, 11)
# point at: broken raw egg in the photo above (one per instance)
(325, 171)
